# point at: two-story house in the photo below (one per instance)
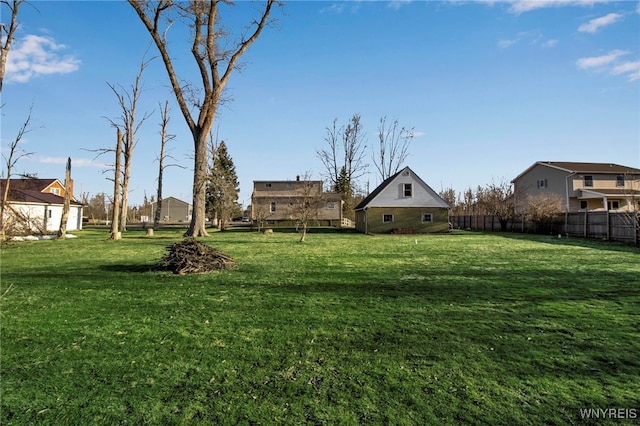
(582, 186)
(279, 203)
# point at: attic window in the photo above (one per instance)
(267, 185)
(542, 183)
(408, 190)
(331, 205)
(55, 191)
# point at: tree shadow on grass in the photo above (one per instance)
(592, 243)
(132, 268)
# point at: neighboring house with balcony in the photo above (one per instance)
(37, 204)
(582, 186)
(279, 203)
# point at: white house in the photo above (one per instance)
(37, 204)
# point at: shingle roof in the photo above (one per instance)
(31, 184)
(35, 196)
(577, 167)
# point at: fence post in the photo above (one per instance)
(608, 225)
(586, 218)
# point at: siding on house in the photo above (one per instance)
(405, 198)
(172, 210)
(404, 218)
(277, 202)
(582, 186)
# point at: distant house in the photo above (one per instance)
(37, 205)
(172, 210)
(276, 203)
(403, 203)
(582, 186)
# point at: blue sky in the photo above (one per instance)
(489, 87)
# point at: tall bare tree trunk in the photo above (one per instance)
(197, 226)
(115, 215)
(62, 231)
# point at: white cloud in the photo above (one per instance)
(503, 44)
(521, 6)
(397, 4)
(632, 69)
(75, 162)
(609, 62)
(600, 61)
(533, 38)
(35, 55)
(595, 24)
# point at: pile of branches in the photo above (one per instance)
(192, 257)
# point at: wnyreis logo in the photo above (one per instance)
(609, 413)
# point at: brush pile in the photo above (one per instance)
(192, 257)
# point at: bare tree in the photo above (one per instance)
(115, 214)
(7, 40)
(216, 55)
(305, 206)
(62, 231)
(497, 199)
(128, 102)
(543, 210)
(11, 159)
(393, 148)
(344, 159)
(165, 137)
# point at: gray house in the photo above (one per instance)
(172, 210)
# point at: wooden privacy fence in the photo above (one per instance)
(607, 225)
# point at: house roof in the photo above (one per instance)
(369, 198)
(164, 199)
(31, 184)
(578, 167)
(34, 197)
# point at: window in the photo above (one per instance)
(542, 183)
(331, 205)
(49, 214)
(613, 205)
(620, 181)
(588, 181)
(427, 218)
(407, 190)
(55, 191)
(267, 185)
(583, 204)
(272, 208)
(387, 218)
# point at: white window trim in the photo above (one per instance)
(273, 207)
(385, 221)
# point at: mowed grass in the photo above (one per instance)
(466, 328)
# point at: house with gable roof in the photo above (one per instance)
(582, 186)
(39, 202)
(403, 203)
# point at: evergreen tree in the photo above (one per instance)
(223, 186)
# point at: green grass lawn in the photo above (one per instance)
(466, 328)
